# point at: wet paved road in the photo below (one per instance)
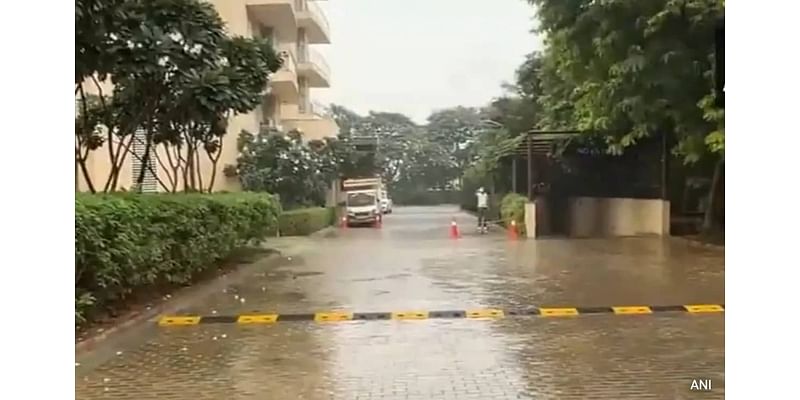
(412, 264)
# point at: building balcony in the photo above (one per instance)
(311, 17)
(312, 65)
(312, 126)
(281, 14)
(284, 81)
(270, 126)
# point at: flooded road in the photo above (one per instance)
(412, 264)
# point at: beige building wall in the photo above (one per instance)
(599, 217)
(98, 164)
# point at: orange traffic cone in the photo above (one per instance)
(378, 221)
(454, 229)
(512, 230)
(343, 223)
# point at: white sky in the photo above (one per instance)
(416, 56)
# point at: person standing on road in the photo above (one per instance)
(483, 206)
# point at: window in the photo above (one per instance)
(149, 183)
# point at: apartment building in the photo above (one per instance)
(295, 28)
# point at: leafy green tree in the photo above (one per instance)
(519, 110)
(193, 119)
(456, 129)
(630, 70)
(175, 74)
(493, 146)
(406, 156)
(282, 164)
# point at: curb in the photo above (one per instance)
(324, 232)
(180, 299)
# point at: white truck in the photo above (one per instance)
(363, 200)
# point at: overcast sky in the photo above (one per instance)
(416, 56)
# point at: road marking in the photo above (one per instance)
(632, 310)
(485, 313)
(333, 316)
(257, 319)
(478, 313)
(704, 308)
(558, 312)
(179, 320)
(403, 315)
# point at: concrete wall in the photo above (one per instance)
(537, 218)
(597, 217)
(530, 220)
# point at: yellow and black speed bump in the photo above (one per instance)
(226, 319)
(447, 314)
(372, 316)
(481, 313)
(295, 317)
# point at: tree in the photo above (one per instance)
(456, 129)
(493, 146)
(629, 70)
(281, 164)
(175, 74)
(519, 110)
(406, 156)
(347, 120)
(193, 119)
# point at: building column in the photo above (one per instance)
(530, 167)
(514, 174)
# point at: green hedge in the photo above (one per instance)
(425, 197)
(512, 207)
(305, 221)
(125, 243)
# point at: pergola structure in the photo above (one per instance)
(541, 143)
(719, 61)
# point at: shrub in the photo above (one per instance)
(126, 243)
(305, 221)
(425, 197)
(512, 208)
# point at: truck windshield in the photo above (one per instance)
(360, 199)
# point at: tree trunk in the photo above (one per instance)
(710, 220)
(214, 161)
(80, 162)
(174, 164)
(116, 165)
(198, 170)
(190, 167)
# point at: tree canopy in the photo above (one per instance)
(175, 76)
(628, 70)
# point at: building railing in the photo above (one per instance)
(316, 12)
(318, 59)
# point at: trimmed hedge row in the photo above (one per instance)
(425, 197)
(125, 243)
(305, 221)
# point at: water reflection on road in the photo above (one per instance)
(411, 263)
